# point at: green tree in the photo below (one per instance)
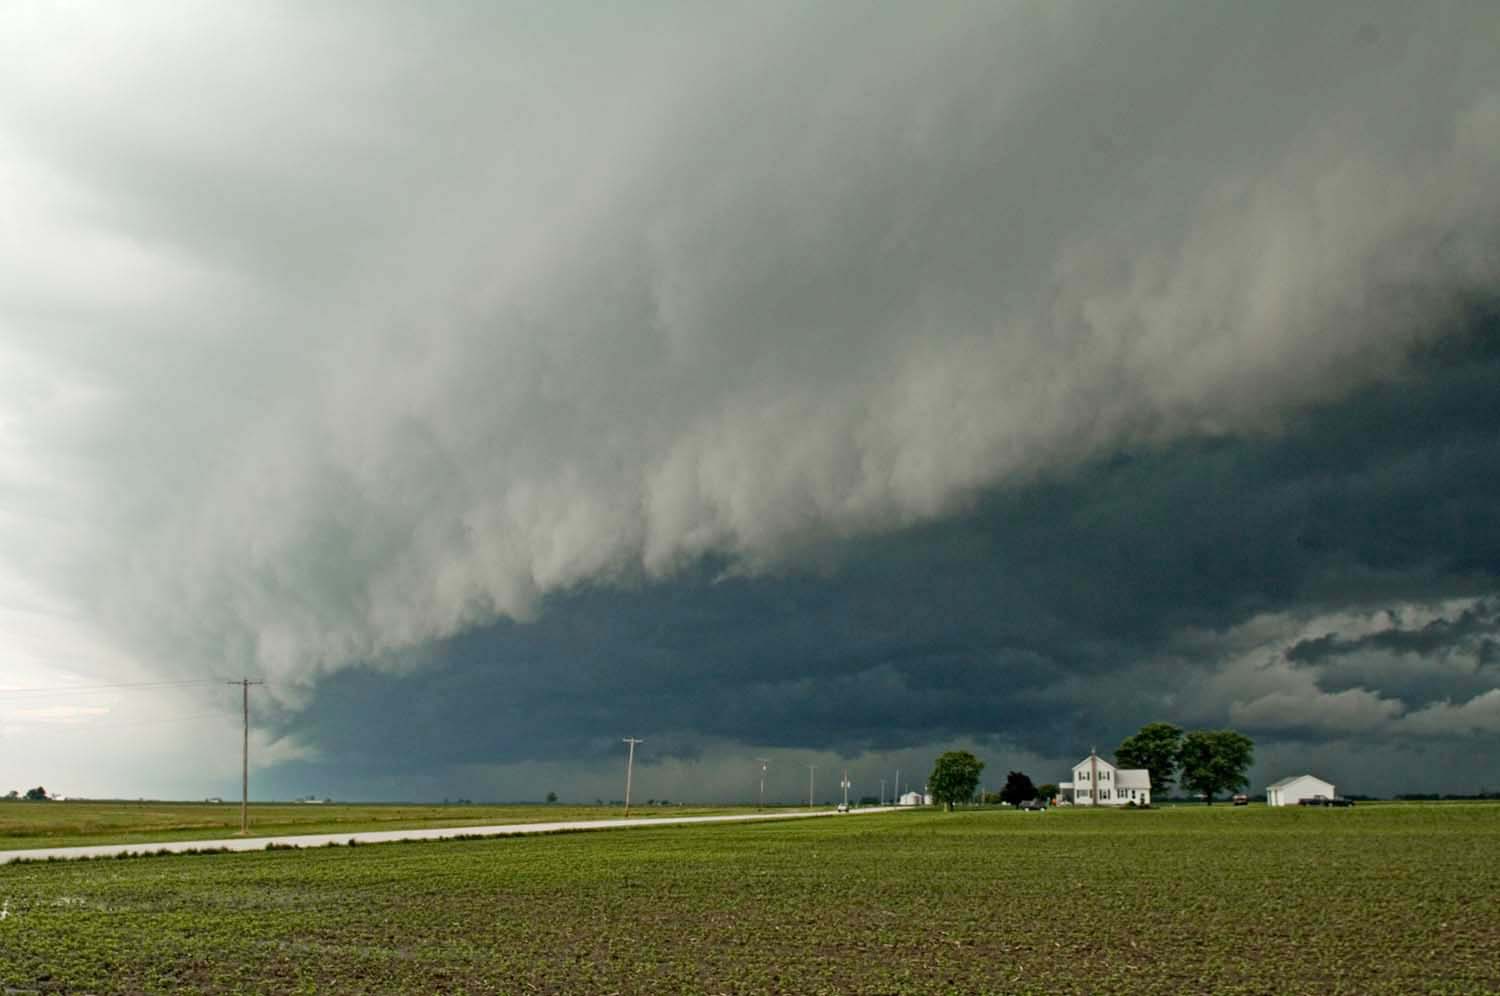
(1214, 761)
(954, 778)
(1018, 789)
(37, 794)
(1048, 791)
(551, 796)
(1154, 748)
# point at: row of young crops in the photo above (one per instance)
(1372, 900)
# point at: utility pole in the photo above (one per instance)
(629, 767)
(245, 684)
(810, 769)
(845, 784)
(898, 786)
(763, 762)
(882, 791)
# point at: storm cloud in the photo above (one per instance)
(847, 379)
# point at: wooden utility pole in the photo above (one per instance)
(629, 768)
(245, 684)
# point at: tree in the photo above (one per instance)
(1154, 748)
(1047, 790)
(12, 794)
(37, 794)
(1018, 789)
(954, 778)
(1215, 761)
(551, 796)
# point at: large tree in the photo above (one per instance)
(1215, 761)
(1018, 789)
(1154, 748)
(954, 777)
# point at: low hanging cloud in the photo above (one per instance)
(328, 334)
(1479, 715)
(1334, 676)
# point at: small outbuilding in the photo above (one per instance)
(1291, 791)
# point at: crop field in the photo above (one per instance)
(61, 824)
(1378, 899)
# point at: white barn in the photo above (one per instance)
(1290, 791)
(1096, 782)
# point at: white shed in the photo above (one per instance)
(914, 799)
(1290, 791)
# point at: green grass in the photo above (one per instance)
(1391, 899)
(61, 824)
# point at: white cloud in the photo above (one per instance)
(1479, 715)
(351, 331)
(1352, 711)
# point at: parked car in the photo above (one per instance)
(1241, 799)
(1034, 806)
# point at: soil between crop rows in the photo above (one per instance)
(1381, 899)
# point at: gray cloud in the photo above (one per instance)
(327, 335)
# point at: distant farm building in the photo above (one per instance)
(1096, 782)
(1290, 791)
(915, 799)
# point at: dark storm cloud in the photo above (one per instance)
(428, 343)
(1045, 620)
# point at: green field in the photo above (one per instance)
(1379, 899)
(60, 824)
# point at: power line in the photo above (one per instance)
(82, 725)
(110, 687)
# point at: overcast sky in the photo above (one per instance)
(828, 382)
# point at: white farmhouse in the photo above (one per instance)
(915, 799)
(1290, 791)
(1096, 782)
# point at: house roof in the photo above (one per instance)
(1132, 778)
(1296, 778)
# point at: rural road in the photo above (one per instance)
(385, 836)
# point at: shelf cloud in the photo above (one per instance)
(331, 337)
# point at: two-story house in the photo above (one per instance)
(1096, 782)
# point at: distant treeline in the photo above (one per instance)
(1445, 797)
